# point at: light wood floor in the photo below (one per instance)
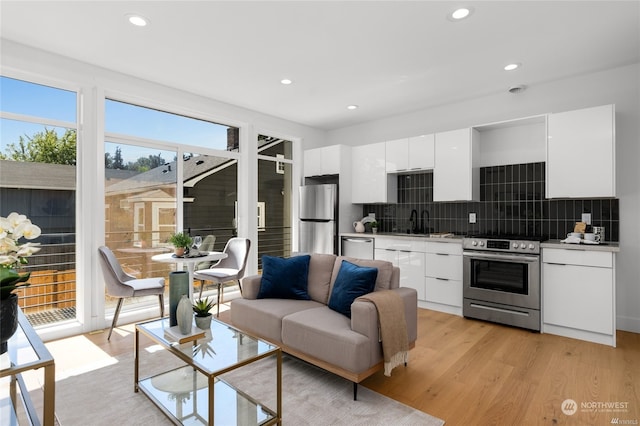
(471, 372)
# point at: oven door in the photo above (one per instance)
(503, 278)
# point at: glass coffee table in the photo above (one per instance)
(196, 391)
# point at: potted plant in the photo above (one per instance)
(374, 226)
(201, 308)
(12, 255)
(181, 243)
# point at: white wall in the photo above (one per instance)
(618, 86)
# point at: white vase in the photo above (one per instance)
(184, 315)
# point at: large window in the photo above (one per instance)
(38, 178)
(164, 173)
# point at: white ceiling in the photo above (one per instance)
(388, 57)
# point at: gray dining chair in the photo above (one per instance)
(120, 284)
(208, 244)
(228, 270)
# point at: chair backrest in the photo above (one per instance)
(207, 245)
(114, 275)
(237, 250)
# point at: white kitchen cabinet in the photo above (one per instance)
(370, 183)
(410, 154)
(578, 288)
(456, 176)
(581, 153)
(443, 277)
(422, 152)
(324, 161)
(397, 155)
(408, 255)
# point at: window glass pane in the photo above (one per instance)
(38, 179)
(32, 142)
(149, 123)
(36, 100)
(274, 209)
(274, 147)
(210, 197)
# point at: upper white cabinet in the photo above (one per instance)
(370, 183)
(455, 176)
(581, 153)
(324, 161)
(410, 154)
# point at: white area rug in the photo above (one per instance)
(310, 396)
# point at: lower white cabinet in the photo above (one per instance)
(443, 277)
(408, 255)
(578, 288)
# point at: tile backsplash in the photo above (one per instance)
(512, 201)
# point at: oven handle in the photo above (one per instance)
(516, 258)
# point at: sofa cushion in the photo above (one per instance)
(327, 335)
(284, 278)
(263, 317)
(385, 270)
(352, 282)
(320, 271)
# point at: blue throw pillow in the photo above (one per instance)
(284, 278)
(352, 282)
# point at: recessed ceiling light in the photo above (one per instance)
(511, 67)
(352, 107)
(137, 20)
(460, 13)
(286, 81)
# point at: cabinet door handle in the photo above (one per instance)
(442, 254)
(554, 263)
(442, 279)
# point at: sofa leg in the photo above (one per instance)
(355, 391)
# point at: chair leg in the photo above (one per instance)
(161, 297)
(219, 298)
(115, 316)
(240, 287)
(201, 287)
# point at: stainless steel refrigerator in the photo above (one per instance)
(318, 213)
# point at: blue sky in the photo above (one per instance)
(41, 101)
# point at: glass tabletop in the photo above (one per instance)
(221, 348)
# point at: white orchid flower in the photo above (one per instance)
(8, 260)
(8, 245)
(27, 230)
(16, 219)
(28, 249)
(5, 227)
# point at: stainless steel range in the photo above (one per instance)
(501, 280)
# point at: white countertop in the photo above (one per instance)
(609, 247)
(453, 239)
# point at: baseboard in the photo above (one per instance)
(628, 324)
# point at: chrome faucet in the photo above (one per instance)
(424, 229)
(413, 220)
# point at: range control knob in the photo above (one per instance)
(474, 243)
(481, 243)
(531, 246)
(515, 245)
(523, 246)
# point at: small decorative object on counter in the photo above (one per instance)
(374, 227)
(358, 226)
(184, 314)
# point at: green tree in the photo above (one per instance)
(44, 147)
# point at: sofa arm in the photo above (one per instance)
(251, 286)
(364, 316)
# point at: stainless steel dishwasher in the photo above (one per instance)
(358, 247)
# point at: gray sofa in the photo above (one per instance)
(310, 330)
